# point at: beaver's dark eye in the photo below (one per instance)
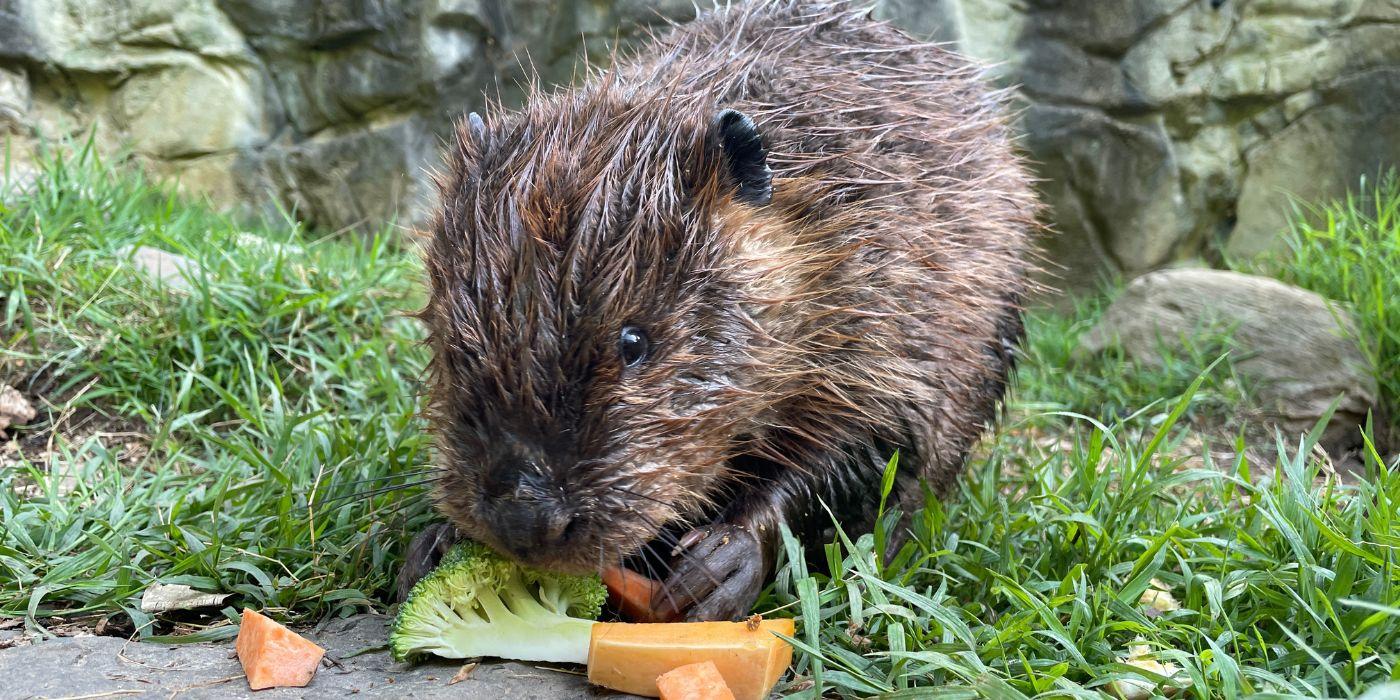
(633, 344)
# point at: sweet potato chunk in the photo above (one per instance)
(274, 656)
(631, 593)
(630, 657)
(693, 682)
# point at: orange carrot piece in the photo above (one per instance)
(632, 594)
(700, 681)
(629, 657)
(274, 656)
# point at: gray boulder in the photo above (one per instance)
(1296, 351)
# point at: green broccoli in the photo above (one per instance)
(477, 603)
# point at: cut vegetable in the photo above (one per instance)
(632, 594)
(274, 656)
(694, 682)
(478, 603)
(630, 657)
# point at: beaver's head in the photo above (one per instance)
(593, 340)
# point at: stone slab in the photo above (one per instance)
(90, 667)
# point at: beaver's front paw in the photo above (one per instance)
(717, 577)
(425, 552)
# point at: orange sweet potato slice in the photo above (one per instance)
(630, 657)
(693, 682)
(632, 594)
(274, 656)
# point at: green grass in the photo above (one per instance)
(282, 379)
(1349, 251)
(1028, 581)
(278, 376)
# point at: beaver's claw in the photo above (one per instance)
(717, 577)
(425, 552)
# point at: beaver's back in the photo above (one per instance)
(911, 151)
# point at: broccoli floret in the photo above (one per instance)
(477, 603)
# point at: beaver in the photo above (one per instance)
(708, 293)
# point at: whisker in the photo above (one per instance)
(375, 492)
(671, 540)
(673, 544)
(665, 589)
(647, 554)
(661, 533)
(630, 492)
(386, 477)
(668, 583)
(647, 550)
(396, 517)
(665, 536)
(402, 508)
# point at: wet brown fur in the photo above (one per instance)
(871, 306)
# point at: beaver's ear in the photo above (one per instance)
(470, 145)
(476, 129)
(745, 158)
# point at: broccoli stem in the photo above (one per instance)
(563, 641)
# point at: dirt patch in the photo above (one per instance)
(60, 421)
(13, 632)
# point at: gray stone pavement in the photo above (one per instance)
(109, 667)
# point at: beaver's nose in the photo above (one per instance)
(528, 517)
(531, 530)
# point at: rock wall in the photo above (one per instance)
(1173, 129)
(333, 108)
(1163, 129)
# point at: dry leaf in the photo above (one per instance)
(1141, 688)
(14, 408)
(463, 673)
(1158, 599)
(165, 597)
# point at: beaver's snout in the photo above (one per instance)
(526, 512)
